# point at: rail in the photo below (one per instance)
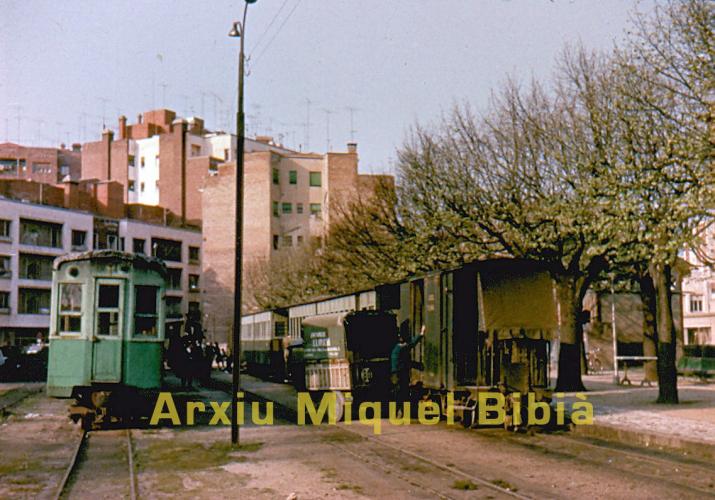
(74, 464)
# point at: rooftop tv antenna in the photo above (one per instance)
(352, 110)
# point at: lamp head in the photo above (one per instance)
(236, 30)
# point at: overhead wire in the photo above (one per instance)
(265, 31)
(280, 28)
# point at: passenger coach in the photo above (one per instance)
(107, 331)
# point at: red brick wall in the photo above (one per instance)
(170, 175)
(120, 164)
(196, 173)
(31, 191)
(342, 179)
(44, 158)
(218, 206)
(110, 199)
(94, 160)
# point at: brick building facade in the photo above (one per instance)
(48, 165)
(289, 199)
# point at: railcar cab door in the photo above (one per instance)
(107, 333)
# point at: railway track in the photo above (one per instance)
(16, 396)
(677, 471)
(95, 464)
(450, 469)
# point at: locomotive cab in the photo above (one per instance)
(107, 329)
(349, 353)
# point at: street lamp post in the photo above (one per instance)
(238, 30)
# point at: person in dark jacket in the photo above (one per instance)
(400, 365)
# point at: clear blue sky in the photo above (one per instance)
(64, 65)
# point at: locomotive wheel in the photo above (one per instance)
(339, 405)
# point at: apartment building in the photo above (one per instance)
(289, 199)
(38, 226)
(163, 160)
(48, 165)
(699, 295)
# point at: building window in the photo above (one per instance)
(64, 170)
(141, 187)
(42, 234)
(194, 255)
(194, 308)
(113, 242)
(36, 267)
(276, 176)
(698, 336)
(131, 186)
(173, 307)
(132, 160)
(5, 269)
(275, 241)
(10, 166)
(226, 154)
(174, 278)
(70, 310)
(142, 161)
(293, 177)
(193, 282)
(315, 179)
(300, 240)
(299, 208)
(5, 229)
(34, 301)
(696, 303)
(195, 150)
(145, 310)
(287, 241)
(315, 209)
(79, 240)
(287, 208)
(712, 290)
(166, 249)
(139, 245)
(41, 168)
(4, 302)
(276, 208)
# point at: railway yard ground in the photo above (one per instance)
(38, 445)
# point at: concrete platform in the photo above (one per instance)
(624, 414)
(629, 414)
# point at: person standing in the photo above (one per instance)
(400, 365)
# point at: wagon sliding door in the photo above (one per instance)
(107, 330)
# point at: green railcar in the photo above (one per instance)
(107, 330)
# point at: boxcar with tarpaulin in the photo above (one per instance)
(488, 328)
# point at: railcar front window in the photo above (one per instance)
(108, 310)
(70, 314)
(146, 312)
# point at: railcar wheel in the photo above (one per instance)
(339, 405)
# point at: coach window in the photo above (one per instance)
(108, 310)
(145, 310)
(70, 310)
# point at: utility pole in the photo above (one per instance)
(238, 30)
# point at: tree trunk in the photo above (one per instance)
(650, 332)
(667, 372)
(570, 297)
